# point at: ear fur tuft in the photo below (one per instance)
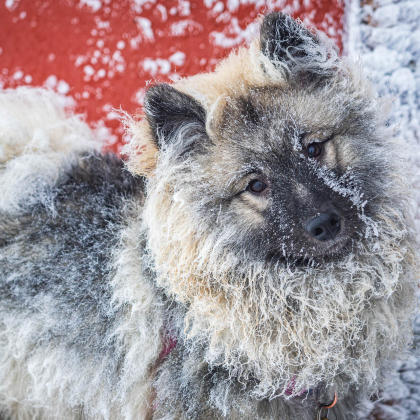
(141, 151)
(295, 50)
(168, 110)
(282, 37)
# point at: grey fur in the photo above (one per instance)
(187, 296)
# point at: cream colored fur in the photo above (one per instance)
(36, 136)
(243, 309)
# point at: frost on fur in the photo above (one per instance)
(281, 322)
(35, 133)
(295, 51)
(200, 292)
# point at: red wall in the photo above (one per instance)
(102, 53)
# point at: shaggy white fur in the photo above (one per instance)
(39, 139)
(36, 136)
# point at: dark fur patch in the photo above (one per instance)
(63, 257)
(284, 40)
(281, 37)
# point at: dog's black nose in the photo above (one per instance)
(324, 227)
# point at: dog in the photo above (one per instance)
(257, 260)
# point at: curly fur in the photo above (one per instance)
(183, 295)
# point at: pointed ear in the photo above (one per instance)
(168, 111)
(295, 50)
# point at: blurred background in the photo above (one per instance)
(101, 54)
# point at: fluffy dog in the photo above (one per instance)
(260, 261)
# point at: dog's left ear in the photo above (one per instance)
(295, 50)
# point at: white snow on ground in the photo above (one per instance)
(386, 34)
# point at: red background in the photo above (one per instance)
(101, 54)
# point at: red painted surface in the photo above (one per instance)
(101, 53)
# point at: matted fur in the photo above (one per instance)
(185, 296)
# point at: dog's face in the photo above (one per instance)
(294, 173)
(276, 214)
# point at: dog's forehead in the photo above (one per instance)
(273, 116)
(266, 123)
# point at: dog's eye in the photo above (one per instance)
(256, 186)
(315, 150)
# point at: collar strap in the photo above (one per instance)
(326, 407)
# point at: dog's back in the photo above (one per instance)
(62, 330)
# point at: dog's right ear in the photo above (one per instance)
(294, 50)
(171, 116)
(169, 111)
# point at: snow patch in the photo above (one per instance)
(63, 88)
(236, 35)
(145, 27)
(120, 45)
(178, 58)
(93, 5)
(88, 70)
(185, 27)
(18, 75)
(11, 5)
(137, 5)
(386, 35)
(157, 66)
(51, 82)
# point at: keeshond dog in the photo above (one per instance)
(257, 260)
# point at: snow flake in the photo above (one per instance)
(11, 5)
(63, 87)
(158, 66)
(185, 27)
(88, 70)
(18, 75)
(93, 5)
(120, 45)
(145, 27)
(178, 58)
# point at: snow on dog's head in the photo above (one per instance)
(277, 212)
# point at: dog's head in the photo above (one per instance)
(276, 211)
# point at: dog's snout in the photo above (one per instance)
(324, 227)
